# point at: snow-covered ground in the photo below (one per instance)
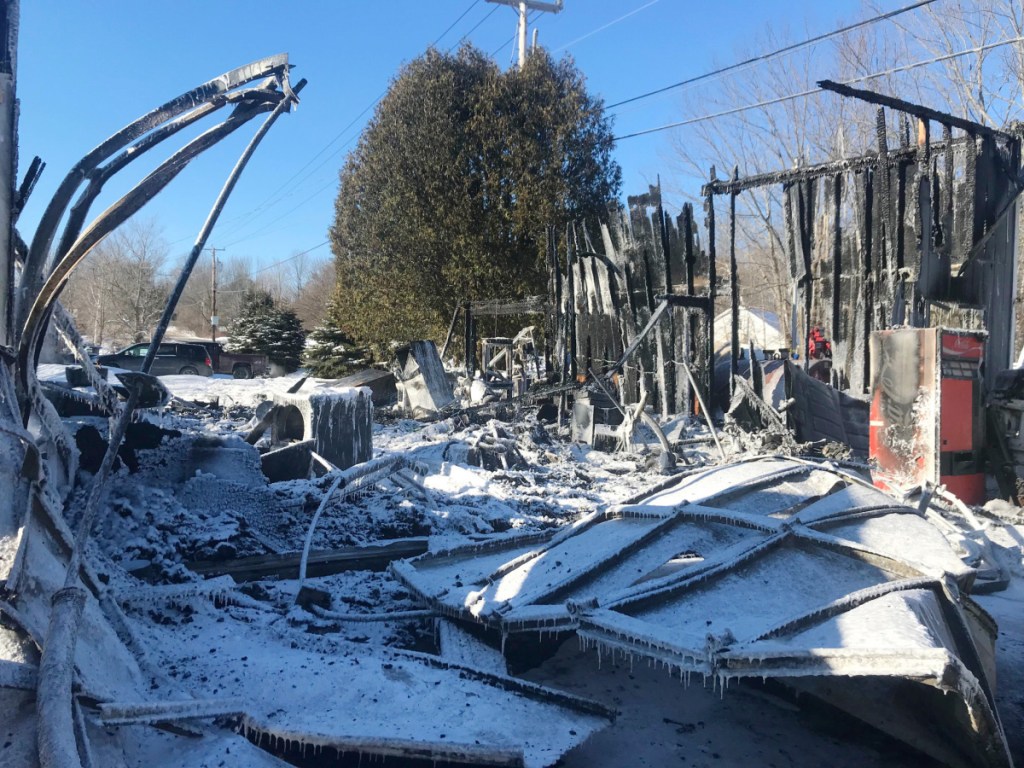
(200, 635)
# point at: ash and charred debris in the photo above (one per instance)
(170, 557)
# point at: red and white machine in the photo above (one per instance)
(927, 418)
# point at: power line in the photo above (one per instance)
(773, 54)
(531, 17)
(485, 18)
(278, 195)
(461, 17)
(791, 96)
(291, 258)
(287, 213)
(603, 28)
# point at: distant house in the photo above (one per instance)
(759, 326)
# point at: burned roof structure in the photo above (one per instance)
(922, 234)
(769, 568)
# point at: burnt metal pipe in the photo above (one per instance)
(80, 209)
(211, 220)
(55, 729)
(107, 222)
(45, 232)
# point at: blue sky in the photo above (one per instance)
(87, 68)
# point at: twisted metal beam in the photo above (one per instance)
(103, 225)
(290, 97)
(272, 66)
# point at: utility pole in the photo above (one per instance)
(524, 6)
(9, 10)
(214, 320)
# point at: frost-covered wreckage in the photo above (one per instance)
(194, 583)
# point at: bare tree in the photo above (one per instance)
(298, 267)
(234, 278)
(302, 282)
(275, 281)
(316, 292)
(787, 130)
(984, 84)
(120, 291)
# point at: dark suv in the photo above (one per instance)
(171, 358)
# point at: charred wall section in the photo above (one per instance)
(919, 233)
(608, 279)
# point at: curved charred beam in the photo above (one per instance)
(271, 66)
(99, 177)
(603, 259)
(291, 96)
(106, 223)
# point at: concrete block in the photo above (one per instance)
(339, 421)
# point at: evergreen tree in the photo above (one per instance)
(263, 327)
(331, 353)
(447, 195)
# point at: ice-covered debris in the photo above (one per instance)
(342, 696)
(423, 386)
(771, 568)
(338, 421)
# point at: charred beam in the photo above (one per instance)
(686, 302)
(494, 308)
(35, 170)
(917, 110)
(846, 165)
(734, 290)
(369, 557)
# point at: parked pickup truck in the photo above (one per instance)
(238, 364)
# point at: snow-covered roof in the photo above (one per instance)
(760, 326)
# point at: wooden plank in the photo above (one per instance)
(371, 557)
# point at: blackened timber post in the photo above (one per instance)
(709, 319)
(807, 248)
(690, 259)
(882, 240)
(470, 341)
(667, 337)
(790, 229)
(553, 337)
(868, 272)
(837, 257)
(569, 363)
(947, 176)
(8, 162)
(968, 196)
(665, 245)
(688, 254)
(925, 215)
(734, 280)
